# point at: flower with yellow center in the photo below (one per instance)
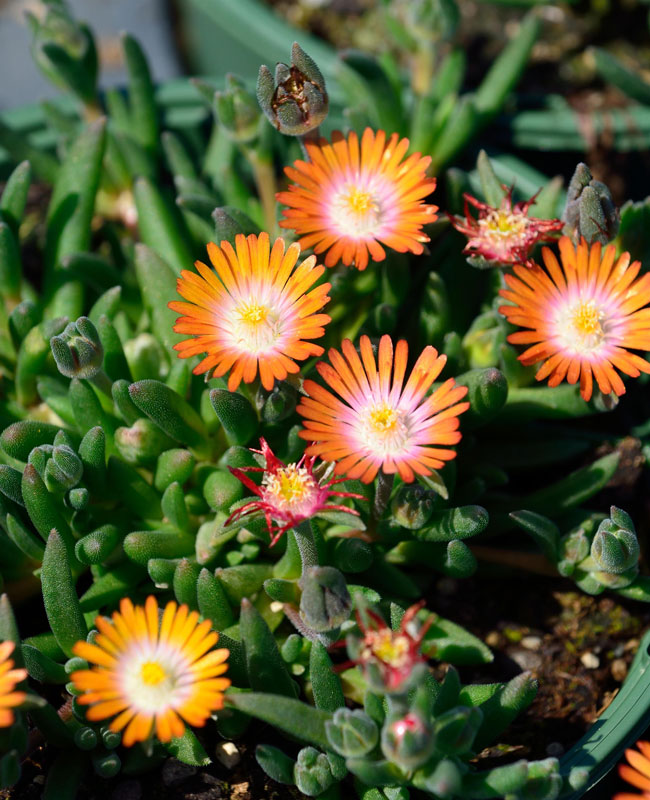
(354, 196)
(9, 678)
(504, 235)
(288, 495)
(253, 312)
(152, 674)
(391, 659)
(637, 774)
(378, 421)
(584, 314)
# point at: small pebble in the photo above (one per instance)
(525, 659)
(555, 749)
(493, 639)
(39, 779)
(276, 606)
(531, 642)
(619, 669)
(228, 754)
(590, 660)
(175, 772)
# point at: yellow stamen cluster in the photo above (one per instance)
(389, 647)
(289, 486)
(503, 223)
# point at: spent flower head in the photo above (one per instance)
(353, 196)
(150, 673)
(504, 235)
(253, 312)
(584, 315)
(288, 494)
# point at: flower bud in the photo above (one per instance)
(456, 729)
(615, 549)
(78, 352)
(237, 110)
(412, 507)
(142, 442)
(296, 101)
(279, 403)
(589, 209)
(352, 734)
(407, 741)
(325, 602)
(65, 51)
(58, 465)
(312, 772)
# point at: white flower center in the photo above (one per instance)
(255, 327)
(356, 211)
(582, 326)
(385, 429)
(155, 678)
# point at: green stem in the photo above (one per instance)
(264, 174)
(306, 545)
(103, 382)
(382, 494)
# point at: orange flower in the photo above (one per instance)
(377, 422)
(583, 316)
(9, 677)
(152, 673)
(253, 311)
(350, 197)
(637, 774)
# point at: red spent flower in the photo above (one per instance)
(289, 494)
(503, 235)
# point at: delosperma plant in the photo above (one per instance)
(248, 417)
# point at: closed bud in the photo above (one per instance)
(352, 734)
(237, 110)
(296, 101)
(589, 211)
(79, 498)
(325, 602)
(312, 772)
(412, 507)
(487, 392)
(456, 729)
(407, 741)
(141, 443)
(615, 549)
(78, 352)
(58, 465)
(279, 403)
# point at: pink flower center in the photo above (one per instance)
(290, 489)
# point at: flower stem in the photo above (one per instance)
(306, 545)
(311, 136)
(382, 494)
(103, 382)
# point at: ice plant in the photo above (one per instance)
(377, 421)
(253, 312)
(150, 673)
(637, 773)
(9, 677)
(503, 235)
(289, 494)
(351, 197)
(584, 316)
(392, 657)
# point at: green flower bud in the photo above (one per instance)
(221, 490)
(237, 110)
(142, 442)
(352, 734)
(456, 729)
(65, 51)
(78, 499)
(615, 547)
(295, 102)
(78, 352)
(312, 772)
(58, 465)
(589, 209)
(278, 404)
(412, 506)
(325, 602)
(407, 740)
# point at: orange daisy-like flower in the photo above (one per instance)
(152, 673)
(353, 195)
(637, 774)
(253, 311)
(583, 314)
(377, 422)
(9, 677)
